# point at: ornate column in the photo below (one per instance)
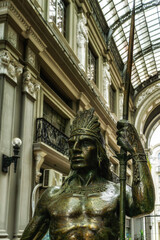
(106, 82)
(10, 70)
(82, 39)
(25, 169)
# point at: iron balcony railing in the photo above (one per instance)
(47, 133)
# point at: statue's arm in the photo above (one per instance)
(39, 224)
(141, 197)
(36, 228)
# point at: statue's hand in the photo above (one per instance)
(127, 137)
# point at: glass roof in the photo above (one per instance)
(146, 55)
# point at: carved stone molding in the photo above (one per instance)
(146, 93)
(12, 36)
(30, 85)
(9, 66)
(39, 159)
(33, 36)
(7, 7)
(31, 57)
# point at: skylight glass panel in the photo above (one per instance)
(112, 20)
(140, 25)
(151, 72)
(146, 1)
(106, 9)
(120, 5)
(150, 12)
(147, 32)
(142, 30)
(126, 28)
(148, 61)
(120, 41)
(154, 37)
(153, 28)
(102, 3)
(139, 15)
(137, 48)
(153, 22)
(124, 58)
(157, 54)
(143, 36)
(143, 40)
(145, 44)
(122, 51)
(119, 31)
(122, 12)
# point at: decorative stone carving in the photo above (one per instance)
(31, 57)
(9, 66)
(146, 93)
(39, 158)
(28, 32)
(82, 39)
(12, 36)
(121, 98)
(30, 85)
(106, 82)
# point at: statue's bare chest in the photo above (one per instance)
(88, 203)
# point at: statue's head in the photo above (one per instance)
(86, 144)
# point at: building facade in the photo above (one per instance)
(54, 61)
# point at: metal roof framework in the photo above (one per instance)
(146, 53)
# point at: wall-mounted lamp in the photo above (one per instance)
(6, 161)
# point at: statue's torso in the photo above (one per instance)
(85, 215)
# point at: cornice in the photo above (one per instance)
(8, 7)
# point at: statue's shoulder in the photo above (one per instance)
(49, 194)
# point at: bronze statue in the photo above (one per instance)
(86, 207)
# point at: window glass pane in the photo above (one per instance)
(53, 117)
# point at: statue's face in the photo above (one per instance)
(83, 152)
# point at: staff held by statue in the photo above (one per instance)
(123, 157)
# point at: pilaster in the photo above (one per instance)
(25, 169)
(10, 71)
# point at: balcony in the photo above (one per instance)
(50, 135)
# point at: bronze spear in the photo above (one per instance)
(123, 158)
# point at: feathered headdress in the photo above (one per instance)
(86, 123)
